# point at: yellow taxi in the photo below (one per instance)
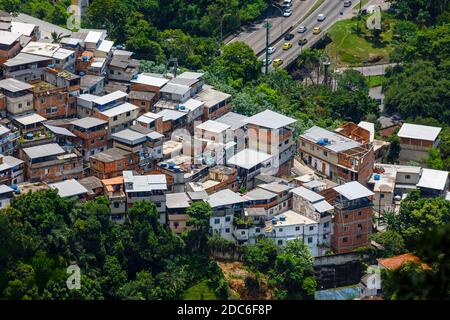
(277, 62)
(287, 46)
(316, 30)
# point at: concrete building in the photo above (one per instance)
(11, 170)
(70, 188)
(6, 194)
(9, 45)
(352, 222)
(18, 96)
(150, 188)
(336, 156)
(119, 117)
(291, 225)
(216, 103)
(111, 162)
(415, 141)
(51, 163)
(26, 67)
(115, 193)
(92, 133)
(272, 133)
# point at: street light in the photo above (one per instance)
(281, 11)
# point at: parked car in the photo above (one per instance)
(272, 50)
(302, 41)
(264, 62)
(321, 17)
(316, 30)
(277, 62)
(287, 46)
(287, 12)
(302, 29)
(288, 37)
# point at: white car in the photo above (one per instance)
(302, 29)
(321, 17)
(272, 50)
(264, 62)
(287, 13)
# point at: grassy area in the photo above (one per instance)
(349, 48)
(200, 291)
(374, 81)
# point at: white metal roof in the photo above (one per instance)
(124, 107)
(225, 197)
(4, 129)
(24, 58)
(420, 132)
(192, 104)
(235, 120)
(190, 75)
(88, 122)
(5, 189)
(129, 136)
(45, 150)
(213, 126)
(14, 85)
(270, 119)
(433, 179)
(69, 188)
(62, 53)
(171, 114)
(248, 158)
(144, 182)
(292, 218)
(105, 46)
(353, 190)
(322, 206)
(173, 88)
(25, 29)
(369, 126)
(59, 130)
(93, 36)
(29, 119)
(259, 194)
(307, 194)
(150, 80)
(116, 95)
(7, 38)
(177, 200)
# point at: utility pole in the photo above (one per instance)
(267, 26)
(359, 16)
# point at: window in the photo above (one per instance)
(381, 195)
(310, 239)
(142, 103)
(280, 230)
(407, 176)
(360, 213)
(325, 154)
(128, 113)
(111, 71)
(345, 229)
(346, 216)
(243, 232)
(116, 205)
(216, 221)
(227, 219)
(115, 118)
(326, 224)
(176, 224)
(20, 105)
(257, 230)
(345, 240)
(280, 242)
(358, 236)
(227, 230)
(311, 228)
(297, 228)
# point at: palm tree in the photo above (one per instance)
(56, 37)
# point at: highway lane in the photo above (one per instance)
(331, 8)
(255, 34)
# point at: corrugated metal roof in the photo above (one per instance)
(270, 119)
(420, 132)
(353, 190)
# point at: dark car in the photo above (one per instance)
(302, 41)
(288, 36)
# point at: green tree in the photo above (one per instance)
(392, 242)
(261, 256)
(142, 288)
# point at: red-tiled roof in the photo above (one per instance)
(396, 262)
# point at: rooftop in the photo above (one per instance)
(8, 38)
(141, 95)
(147, 79)
(291, 218)
(136, 183)
(171, 115)
(110, 155)
(270, 119)
(211, 97)
(88, 122)
(213, 126)
(225, 197)
(173, 88)
(69, 188)
(353, 190)
(25, 29)
(91, 183)
(5, 189)
(59, 130)
(29, 119)
(124, 107)
(234, 120)
(259, 194)
(46, 150)
(275, 187)
(433, 179)
(93, 37)
(116, 95)
(177, 200)
(396, 262)
(148, 117)
(41, 48)
(330, 140)
(105, 46)
(420, 132)
(24, 58)
(307, 194)
(190, 75)
(249, 158)
(129, 136)
(14, 85)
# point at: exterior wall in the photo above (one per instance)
(54, 170)
(107, 170)
(91, 142)
(53, 104)
(223, 225)
(215, 111)
(143, 87)
(119, 122)
(307, 233)
(19, 105)
(11, 52)
(346, 236)
(178, 222)
(158, 199)
(145, 105)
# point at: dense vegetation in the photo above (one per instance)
(42, 234)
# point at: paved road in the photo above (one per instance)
(331, 8)
(255, 34)
(374, 70)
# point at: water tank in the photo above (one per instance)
(29, 136)
(176, 168)
(134, 77)
(274, 221)
(85, 58)
(171, 165)
(163, 164)
(81, 74)
(51, 65)
(282, 218)
(181, 107)
(377, 177)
